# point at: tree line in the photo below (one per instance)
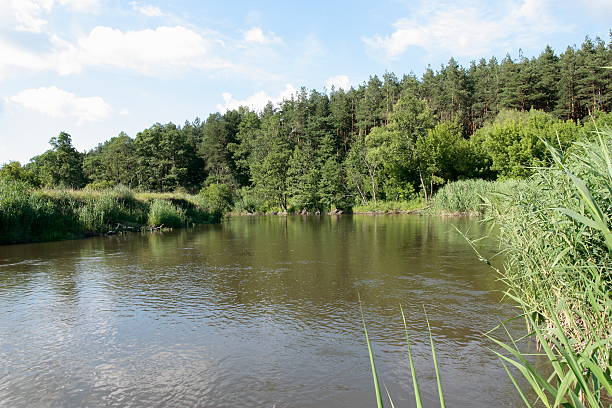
(389, 138)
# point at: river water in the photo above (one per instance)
(254, 312)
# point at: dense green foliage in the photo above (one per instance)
(165, 213)
(28, 214)
(558, 240)
(556, 232)
(388, 139)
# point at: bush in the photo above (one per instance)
(216, 198)
(515, 141)
(16, 214)
(99, 185)
(165, 213)
(249, 202)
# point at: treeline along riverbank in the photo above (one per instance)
(390, 139)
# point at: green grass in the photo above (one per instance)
(28, 215)
(164, 213)
(471, 197)
(555, 233)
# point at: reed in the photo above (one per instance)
(28, 215)
(167, 214)
(556, 234)
(470, 197)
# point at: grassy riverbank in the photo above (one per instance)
(556, 232)
(28, 214)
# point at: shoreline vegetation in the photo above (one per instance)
(381, 146)
(34, 215)
(555, 231)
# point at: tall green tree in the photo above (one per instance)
(164, 156)
(269, 160)
(61, 166)
(112, 162)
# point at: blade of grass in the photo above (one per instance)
(379, 400)
(435, 361)
(415, 384)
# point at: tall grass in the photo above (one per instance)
(413, 373)
(470, 197)
(42, 215)
(166, 214)
(556, 233)
(556, 236)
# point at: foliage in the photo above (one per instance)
(217, 198)
(164, 213)
(99, 185)
(28, 215)
(387, 139)
(61, 166)
(14, 171)
(515, 141)
(111, 163)
(165, 159)
(389, 206)
(471, 197)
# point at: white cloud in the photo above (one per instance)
(466, 29)
(257, 36)
(30, 15)
(145, 51)
(257, 101)
(338, 82)
(147, 10)
(57, 103)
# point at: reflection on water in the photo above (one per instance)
(258, 311)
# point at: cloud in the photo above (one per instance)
(256, 101)
(29, 15)
(470, 29)
(257, 36)
(338, 82)
(57, 103)
(144, 51)
(150, 51)
(147, 10)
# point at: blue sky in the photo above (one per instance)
(94, 68)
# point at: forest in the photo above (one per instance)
(389, 139)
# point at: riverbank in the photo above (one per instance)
(33, 215)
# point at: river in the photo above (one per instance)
(254, 312)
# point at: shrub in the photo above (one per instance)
(99, 185)
(162, 212)
(216, 198)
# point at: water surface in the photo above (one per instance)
(255, 312)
